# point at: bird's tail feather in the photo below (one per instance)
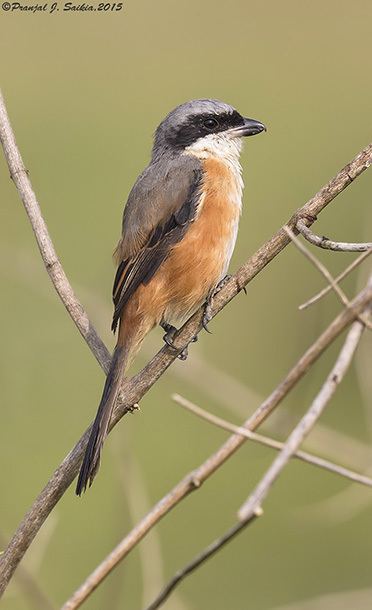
(100, 426)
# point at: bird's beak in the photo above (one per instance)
(250, 128)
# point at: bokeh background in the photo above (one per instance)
(85, 93)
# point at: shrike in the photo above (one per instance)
(178, 234)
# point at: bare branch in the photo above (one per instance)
(270, 442)
(208, 552)
(318, 265)
(133, 390)
(307, 421)
(252, 508)
(324, 271)
(360, 259)
(196, 478)
(328, 244)
(236, 395)
(19, 175)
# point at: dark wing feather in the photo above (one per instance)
(177, 206)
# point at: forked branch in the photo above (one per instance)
(308, 421)
(304, 456)
(329, 244)
(358, 261)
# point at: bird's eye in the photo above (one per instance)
(210, 124)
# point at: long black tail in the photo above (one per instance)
(100, 426)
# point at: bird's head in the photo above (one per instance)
(203, 127)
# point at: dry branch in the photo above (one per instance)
(195, 478)
(324, 271)
(253, 507)
(360, 259)
(307, 422)
(134, 389)
(328, 244)
(270, 442)
(19, 175)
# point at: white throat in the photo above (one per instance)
(224, 148)
(220, 145)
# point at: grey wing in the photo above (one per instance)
(160, 208)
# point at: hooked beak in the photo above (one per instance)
(250, 128)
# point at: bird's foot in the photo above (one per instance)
(169, 336)
(170, 331)
(207, 315)
(221, 284)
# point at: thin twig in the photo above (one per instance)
(324, 271)
(235, 396)
(208, 552)
(270, 442)
(307, 422)
(20, 177)
(318, 265)
(134, 389)
(328, 244)
(197, 477)
(337, 280)
(253, 506)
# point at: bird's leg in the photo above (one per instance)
(207, 315)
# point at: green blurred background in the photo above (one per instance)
(85, 93)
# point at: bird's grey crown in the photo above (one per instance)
(182, 118)
(183, 112)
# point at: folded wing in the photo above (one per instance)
(161, 206)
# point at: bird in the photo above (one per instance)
(179, 229)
